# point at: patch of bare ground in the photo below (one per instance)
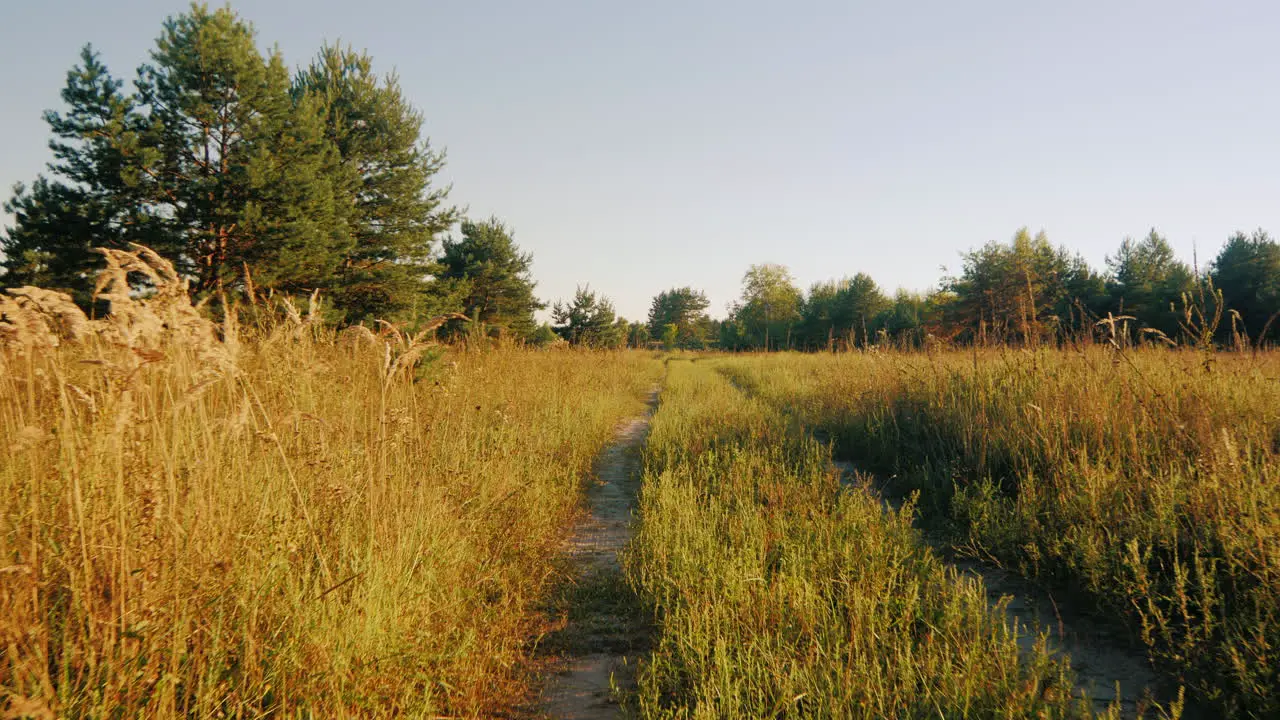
(599, 627)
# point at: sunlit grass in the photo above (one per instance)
(312, 528)
(780, 593)
(1145, 482)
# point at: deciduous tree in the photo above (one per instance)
(769, 309)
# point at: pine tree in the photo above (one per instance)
(588, 320)
(1147, 281)
(224, 164)
(94, 198)
(383, 178)
(1016, 291)
(492, 276)
(235, 165)
(1247, 271)
(846, 310)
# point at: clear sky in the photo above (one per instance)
(645, 145)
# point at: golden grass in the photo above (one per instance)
(285, 524)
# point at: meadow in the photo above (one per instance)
(1141, 484)
(780, 591)
(273, 519)
(263, 516)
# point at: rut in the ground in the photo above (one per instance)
(1098, 659)
(604, 630)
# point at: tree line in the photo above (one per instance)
(248, 176)
(1027, 291)
(251, 178)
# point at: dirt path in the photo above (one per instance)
(1098, 658)
(604, 629)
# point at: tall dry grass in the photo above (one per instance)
(208, 521)
(1145, 482)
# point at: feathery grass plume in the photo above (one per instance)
(163, 316)
(1117, 327)
(230, 327)
(66, 318)
(291, 323)
(402, 351)
(24, 328)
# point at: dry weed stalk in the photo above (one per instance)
(175, 543)
(65, 319)
(1116, 338)
(407, 349)
(295, 324)
(23, 328)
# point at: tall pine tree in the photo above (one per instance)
(1147, 282)
(225, 164)
(383, 176)
(94, 197)
(232, 162)
(1247, 271)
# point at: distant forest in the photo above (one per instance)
(249, 176)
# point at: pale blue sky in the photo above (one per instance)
(641, 146)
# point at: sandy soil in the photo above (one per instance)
(604, 629)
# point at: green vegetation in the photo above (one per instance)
(679, 317)
(780, 593)
(213, 504)
(1143, 483)
(589, 321)
(241, 174)
(1025, 292)
(492, 278)
(1247, 271)
(247, 177)
(768, 312)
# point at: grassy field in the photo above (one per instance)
(1146, 483)
(293, 524)
(275, 519)
(780, 592)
